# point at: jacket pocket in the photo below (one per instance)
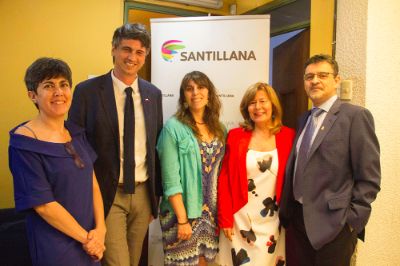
(185, 146)
(339, 203)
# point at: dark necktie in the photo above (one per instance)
(302, 155)
(129, 143)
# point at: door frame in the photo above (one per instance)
(159, 9)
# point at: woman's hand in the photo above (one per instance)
(184, 227)
(95, 238)
(228, 232)
(184, 231)
(95, 244)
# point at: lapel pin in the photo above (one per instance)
(146, 99)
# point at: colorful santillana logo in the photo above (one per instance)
(169, 49)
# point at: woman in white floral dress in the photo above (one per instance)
(250, 183)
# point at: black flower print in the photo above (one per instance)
(264, 162)
(270, 206)
(249, 236)
(240, 258)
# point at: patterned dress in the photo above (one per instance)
(258, 239)
(204, 240)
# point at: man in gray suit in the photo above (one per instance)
(332, 176)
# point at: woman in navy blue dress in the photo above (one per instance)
(52, 165)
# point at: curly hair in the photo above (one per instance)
(276, 117)
(211, 112)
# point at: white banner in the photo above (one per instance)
(233, 51)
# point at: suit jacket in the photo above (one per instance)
(232, 181)
(94, 108)
(341, 176)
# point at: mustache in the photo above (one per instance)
(315, 87)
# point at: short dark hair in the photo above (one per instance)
(134, 31)
(46, 68)
(318, 58)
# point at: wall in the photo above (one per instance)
(351, 26)
(78, 32)
(246, 5)
(368, 52)
(321, 26)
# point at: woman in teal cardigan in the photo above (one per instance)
(190, 148)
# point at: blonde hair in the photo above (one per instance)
(276, 117)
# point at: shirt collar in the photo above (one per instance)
(326, 106)
(121, 86)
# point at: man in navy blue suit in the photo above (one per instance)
(332, 175)
(122, 115)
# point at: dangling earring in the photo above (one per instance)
(185, 105)
(273, 116)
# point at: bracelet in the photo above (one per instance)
(187, 221)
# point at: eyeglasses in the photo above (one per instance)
(71, 151)
(320, 75)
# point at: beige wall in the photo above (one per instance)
(368, 53)
(321, 26)
(246, 5)
(351, 54)
(78, 32)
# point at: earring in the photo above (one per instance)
(185, 105)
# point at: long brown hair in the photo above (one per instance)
(211, 112)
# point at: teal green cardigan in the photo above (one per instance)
(180, 159)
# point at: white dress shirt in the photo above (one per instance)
(140, 127)
(326, 106)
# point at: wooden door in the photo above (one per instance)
(288, 62)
